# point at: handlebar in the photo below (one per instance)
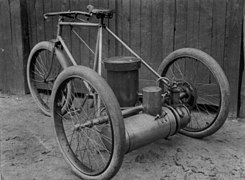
(67, 13)
(100, 13)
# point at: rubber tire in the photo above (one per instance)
(45, 45)
(113, 107)
(221, 79)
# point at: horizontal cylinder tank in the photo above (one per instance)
(142, 129)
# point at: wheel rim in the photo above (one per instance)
(83, 144)
(204, 89)
(42, 73)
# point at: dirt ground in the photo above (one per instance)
(29, 150)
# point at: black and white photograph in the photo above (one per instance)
(122, 89)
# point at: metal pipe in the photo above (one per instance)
(104, 119)
(83, 41)
(67, 51)
(132, 111)
(79, 24)
(136, 55)
(64, 13)
(100, 51)
(59, 29)
(96, 52)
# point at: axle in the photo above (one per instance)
(104, 119)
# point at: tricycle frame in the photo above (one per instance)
(98, 49)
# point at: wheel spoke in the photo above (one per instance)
(92, 145)
(179, 69)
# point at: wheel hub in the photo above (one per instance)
(188, 94)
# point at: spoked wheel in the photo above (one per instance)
(43, 67)
(91, 133)
(204, 88)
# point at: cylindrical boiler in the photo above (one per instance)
(123, 78)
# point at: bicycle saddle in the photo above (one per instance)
(100, 13)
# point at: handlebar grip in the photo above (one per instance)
(45, 17)
(90, 8)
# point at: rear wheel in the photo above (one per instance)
(42, 70)
(91, 133)
(205, 88)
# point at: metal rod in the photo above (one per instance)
(82, 40)
(100, 50)
(59, 28)
(67, 51)
(63, 13)
(104, 119)
(96, 52)
(136, 55)
(131, 111)
(99, 60)
(79, 24)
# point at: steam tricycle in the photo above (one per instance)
(98, 121)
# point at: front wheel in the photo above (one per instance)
(44, 64)
(91, 133)
(206, 89)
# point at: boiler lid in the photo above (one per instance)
(122, 63)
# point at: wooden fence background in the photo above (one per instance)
(14, 46)
(153, 28)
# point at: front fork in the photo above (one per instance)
(51, 65)
(55, 43)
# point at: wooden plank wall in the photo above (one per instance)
(232, 49)
(153, 29)
(242, 70)
(14, 46)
